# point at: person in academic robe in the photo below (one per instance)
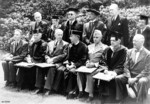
(55, 25)
(113, 59)
(95, 50)
(77, 57)
(36, 53)
(138, 65)
(71, 24)
(144, 29)
(89, 27)
(37, 25)
(18, 51)
(56, 53)
(116, 23)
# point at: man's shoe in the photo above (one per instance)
(47, 93)
(38, 91)
(89, 99)
(80, 95)
(7, 83)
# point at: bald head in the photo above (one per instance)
(58, 34)
(138, 41)
(97, 37)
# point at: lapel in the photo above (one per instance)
(19, 45)
(116, 22)
(141, 56)
(58, 46)
(14, 47)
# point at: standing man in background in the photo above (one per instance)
(39, 24)
(89, 28)
(71, 24)
(116, 24)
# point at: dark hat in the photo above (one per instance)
(55, 17)
(116, 34)
(76, 32)
(94, 11)
(144, 17)
(72, 9)
(37, 31)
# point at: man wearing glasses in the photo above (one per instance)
(71, 24)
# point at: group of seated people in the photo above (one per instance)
(125, 66)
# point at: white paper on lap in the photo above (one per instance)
(102, 76)
(84, 69)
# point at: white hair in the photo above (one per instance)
(37, 14)
(59, 31)
(114, 6)
(139, 37)
(98, 31)
(18, 30)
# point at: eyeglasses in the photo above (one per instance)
(70, 14)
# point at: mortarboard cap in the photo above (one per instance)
(37, 31)
(77, 33)
(55, 17)
(72, 9)
(116, 34)
(144, 17)
(93, 11)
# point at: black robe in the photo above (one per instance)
(116, 88)
(78, 55)
(67, 28)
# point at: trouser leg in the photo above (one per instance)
(12, 72)
(6, 70)
(121, 90)
(39, 78)
(50, 78)
(89, 84)
(142, 89)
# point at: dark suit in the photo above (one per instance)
(58, 53)
(119, 25)
(78, 55)
(146, 34)
(41, 26)
(116, 88)
(140, 70)
(88, 30)
(19, 52)
(67, 28)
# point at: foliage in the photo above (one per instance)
(19, 13)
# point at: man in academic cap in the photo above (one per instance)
(93, 24)
(116, 23)
(71, 24)
(144, 29)
(77, 57)
(113, 59)
(55, 25)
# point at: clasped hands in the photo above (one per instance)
(71, 67)
(8, 57)
(132, 81)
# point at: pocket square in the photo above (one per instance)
(119, 24)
